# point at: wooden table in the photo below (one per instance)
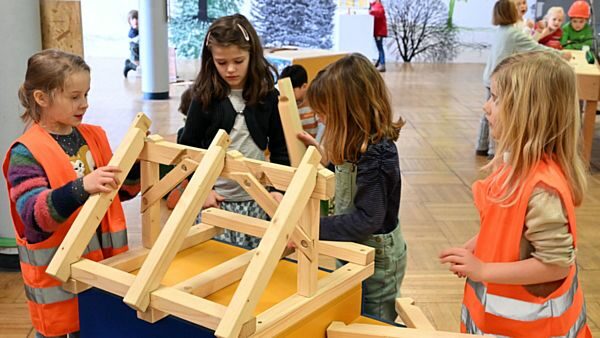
(313, 60)
(588, 89)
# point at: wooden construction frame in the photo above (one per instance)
(295, 219)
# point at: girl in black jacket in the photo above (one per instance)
(235, 91)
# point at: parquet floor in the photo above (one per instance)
(442, 106)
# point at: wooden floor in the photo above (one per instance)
(442, 105)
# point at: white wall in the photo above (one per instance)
(105, 27)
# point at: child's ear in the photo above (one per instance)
(41, 98)
(304, 86)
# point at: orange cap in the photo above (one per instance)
(579, 9)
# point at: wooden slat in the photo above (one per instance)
(150, 211)
(61, 25)
(308, 255)
(184, 169)
(277, 175)
(84, 226)
(411, 315)
(175, 230)
(270, 248)
(295, 308)
(346, 251)
(290, 121)
(341, 330)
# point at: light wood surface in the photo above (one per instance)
(61, 25)
(442, 106)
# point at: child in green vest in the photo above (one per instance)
(578, 33)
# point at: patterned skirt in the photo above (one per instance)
(247, 208)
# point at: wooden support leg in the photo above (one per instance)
(151, 214)
(588, 126)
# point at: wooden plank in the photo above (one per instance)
(184, 169)
(290, 121)
(151, 211)
(589, 128)
(61, 25)
(346, 251)
(295, 308)
(84, 226)
(308, 256)
(166, 299)
(270, 248)
(341, 330)
(218, 277)
(174, 232)
(271, 174)
(411, 315)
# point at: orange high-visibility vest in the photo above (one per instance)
(510, 310)
(54, 312)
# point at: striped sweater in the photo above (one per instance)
(44, 210)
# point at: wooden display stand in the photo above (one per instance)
(588, 89)
(319, 298)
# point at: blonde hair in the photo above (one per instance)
(554, 10)
(538, 119)
(47, 71)
(354, 100)
(505, 13)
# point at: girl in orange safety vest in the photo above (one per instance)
(520, 267)
(50, 171)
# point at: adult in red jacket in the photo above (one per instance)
(379, 32)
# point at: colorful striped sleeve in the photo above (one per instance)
(41, 209)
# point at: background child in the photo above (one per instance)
(368, 182)
(524, 24)
(508, 40)
(51, 170)
(578, 33)
(377, 10)
(235, 91)
(522, 261)
(299, 79)
(134, 43)
(549, 31)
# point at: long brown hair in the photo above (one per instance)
(538, 118)
(47, 71)
(226, 31)
(505, 13)
(352, 97)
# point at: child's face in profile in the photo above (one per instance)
(555, 20)
(232, 64)
(133, 22)
(492, 110)
(521, 7)
(300, 93)
(578, 23)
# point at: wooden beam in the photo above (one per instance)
(151, 211)
(308, 255)
(61, 25)
(184, 169)
(218, 277)
(346, 251)
(290, 121)
(270, 174)
(411, 315)
(267, 254)
(84, 226)
(296, 308)
(166, 299)
(341, 330)
(175, 230)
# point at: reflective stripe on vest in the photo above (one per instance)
(515, 309)
(42, 257)
(472, 328)
(49, 295)
(114, 239)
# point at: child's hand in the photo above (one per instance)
(101, 180)
(276, 195)
(463, 263)
(307, 139)
(213, 200)
(566, 55)
(530, 23)
(540, 25)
